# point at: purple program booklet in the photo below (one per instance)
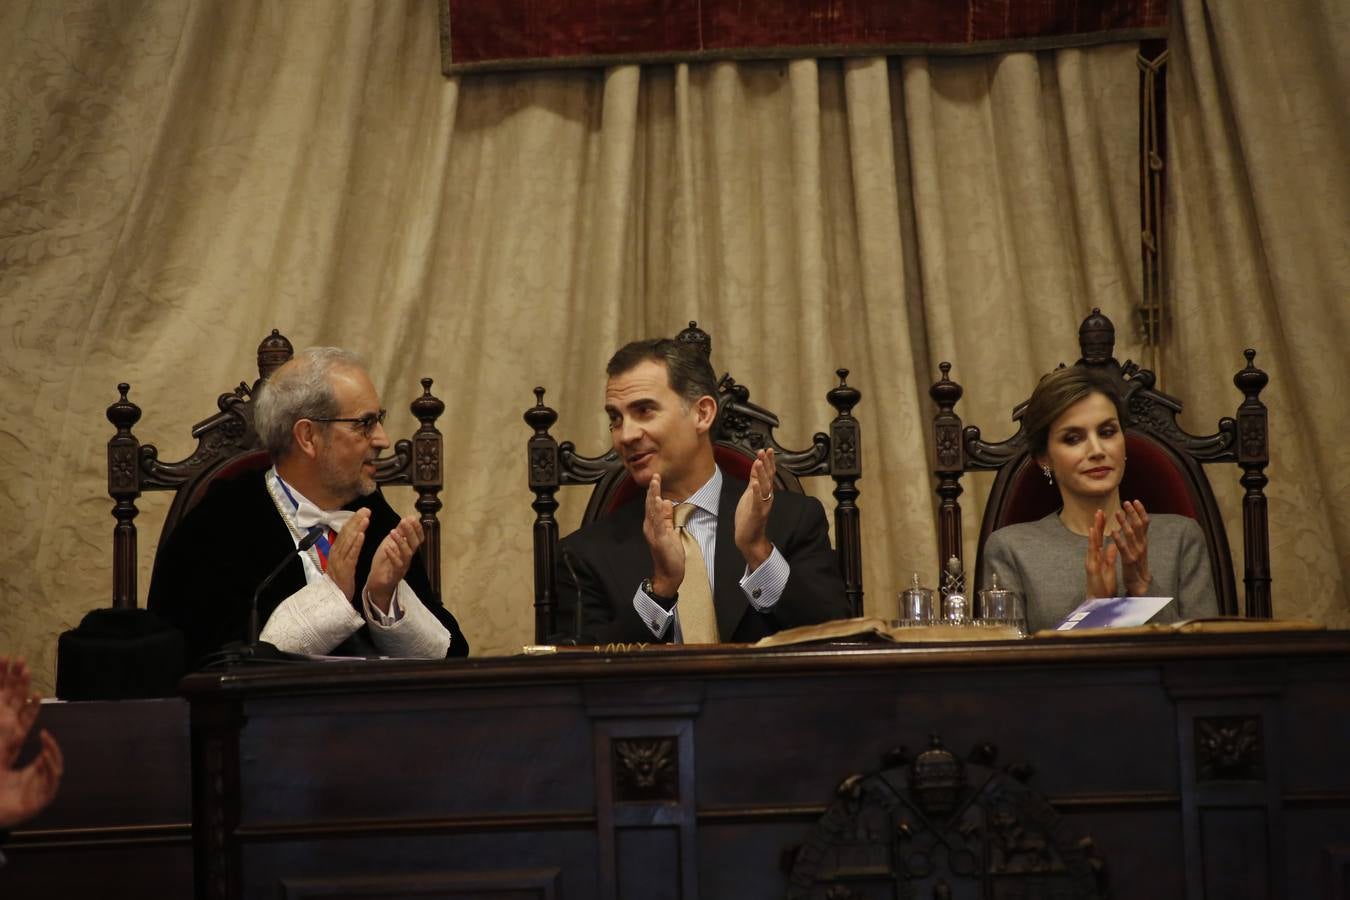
(1113, 612)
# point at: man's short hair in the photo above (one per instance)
(688, 370)
(301, 389)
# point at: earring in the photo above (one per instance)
(1049, 475)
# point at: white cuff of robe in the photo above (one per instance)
(765, 585)
(313, 620)
(409, 630)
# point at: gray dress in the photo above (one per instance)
(1044, 560)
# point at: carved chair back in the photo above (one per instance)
(742, 428)
(1165, 468)
(227, 445)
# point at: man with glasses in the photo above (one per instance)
(356, 588)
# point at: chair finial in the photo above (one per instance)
(540, 417)
(274, 352)
(428, 407)
(123, 414)
(697, 336)
(944, 391)
(843, 397)
(1097, 338)
(1250, 380)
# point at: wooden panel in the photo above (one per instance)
(108, 872)
(649, 865)
(1236, 855)
(1337, 860)
(1317, 843)
(525, 764)
(865, 717)
(120, 824)
(532, 864)
(449, 756)
(502, 762)
(527, 884)
(143, 740)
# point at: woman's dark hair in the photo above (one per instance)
(1058, 391)
(687, 367)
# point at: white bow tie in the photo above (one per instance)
(307, 515)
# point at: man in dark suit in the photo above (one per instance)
(645, 572)
(359, 589)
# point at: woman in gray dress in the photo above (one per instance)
(1095, 545)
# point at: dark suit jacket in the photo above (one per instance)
(206, 573)
(611, 559)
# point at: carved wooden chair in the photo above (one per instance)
(742, 429)
(1165, 469)
(228, 445)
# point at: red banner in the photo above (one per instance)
(506, 34)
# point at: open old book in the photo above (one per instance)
(873, 628)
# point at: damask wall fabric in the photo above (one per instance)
(178, 177)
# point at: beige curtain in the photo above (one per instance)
(178, 177)
(1259, 256)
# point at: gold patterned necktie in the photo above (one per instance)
(698, 620)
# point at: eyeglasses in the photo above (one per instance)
(366, 424)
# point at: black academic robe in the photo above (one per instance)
(207, 571)
(611, 558)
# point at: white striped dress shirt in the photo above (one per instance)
(762, 587)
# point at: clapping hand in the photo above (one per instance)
(27, 791)
(392, 559)
(663, 539)
(1129, 543)
(18, 710)
(1132, 538)
(346, 549)
(752, 511)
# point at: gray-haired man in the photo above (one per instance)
(356, 590)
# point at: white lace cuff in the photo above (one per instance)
(313, 620)
(416, 634)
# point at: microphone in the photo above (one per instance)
(576, 640)
(309, 540)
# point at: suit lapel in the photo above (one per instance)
(728, 564)
(632, 558)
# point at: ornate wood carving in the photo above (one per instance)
(948, 464)
(1229, 748)
(846, 469)
(932, 825)
(741, 424)
(646, 770)
(1240, 440)
(545, 476)
(1253, 457)
(124, 487)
